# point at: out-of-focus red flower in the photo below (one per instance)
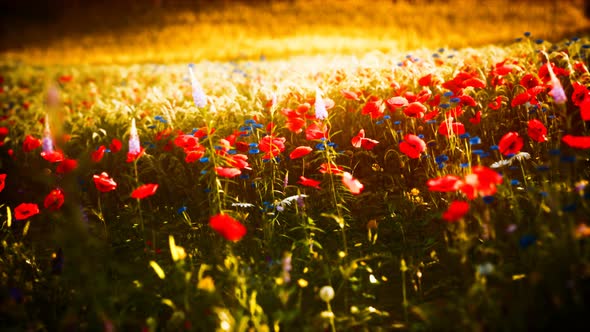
(447, 183)
(394, 103)
(97, 154)
(354, 185)
(476, 119)
(3, 133)
(361, 141)
(315, 132)
(25, 211)
(537, 131)
(194, 155)
(529, 81)
(300, 151)
(144, 191)
(578, 142)
(186, 142)
(227, 172)
(238, 160)
(273, 146)
(54, 156)
(228, 227)
(131, 157)
(2, 181)
(104, 183)
(373, 107)
(425, 80)
(415, 110)
(309, 182)
(351, 95)
(54, 200)
(510, 143)
(65, 78)
(449, 127)
(482, 181)
(31, 143)
(585, 109)
(496, 104)
(116, 145)
(412, 146)
(330, 169)
(456, 211)
(66, 166)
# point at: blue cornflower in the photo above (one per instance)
(181, 209)
(475, 140)
(441, 158)
(160, 118)
(448, 94)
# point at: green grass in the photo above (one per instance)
(518, 260)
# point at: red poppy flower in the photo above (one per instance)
(227, 172)
(194, 155)
(309, 182)
(315, 132)
(496, 104)
(131, 157)
(228, 227)
(412, 146)
(449, 127)
(187, 142)
(25, 211)
(482, 181)
(300, 151)
(537, 131)
(415, 110)
(3, 133)
(354, 185)
(510, 143)
(373, 107)
(361, 141)
(144, 191)
(330, 168)
(66, 166)
(104, 183)
(273, 146)
(396, 102)
(430, 115)
(447, 183)
(97, 155)
(116, 145)
(53, 156)
(239, 161)
(520, 99)
(54, 200)
(2, 181)
(476, 119)
(425, 80)
(585, 109)
(351, 95)
(31, 143)
(456, 211)
(529, 81)
(296, 118)
(578, 142)
(580, 93)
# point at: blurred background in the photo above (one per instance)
(164, 31)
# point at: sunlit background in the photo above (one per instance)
(177, 31)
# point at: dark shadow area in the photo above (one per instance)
(39, 22)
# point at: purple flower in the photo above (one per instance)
(320, 107)
(199, 96)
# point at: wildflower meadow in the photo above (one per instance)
(437, 190)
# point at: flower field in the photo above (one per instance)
(439, 190)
